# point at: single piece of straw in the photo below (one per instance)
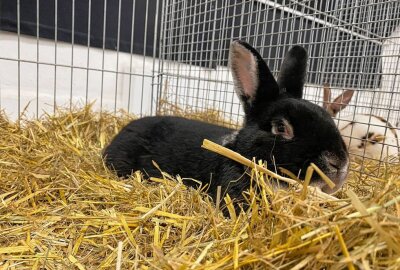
(219, 149)
(344, 247)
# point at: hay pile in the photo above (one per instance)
(165, 107)
(61, 209)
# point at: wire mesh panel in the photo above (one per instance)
(352, 45)
(73, 52)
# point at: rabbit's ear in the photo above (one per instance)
(293, 72)
(326, 103)
(340, 102)
(327, 96)
(254, 83)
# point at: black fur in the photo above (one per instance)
(293, 72)
(174, 143)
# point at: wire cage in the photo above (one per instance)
(146, 56)
(352, 45)
(62, 53)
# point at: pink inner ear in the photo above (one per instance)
(347, 95)
(341, 101)
(244, 66)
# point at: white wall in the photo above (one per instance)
(42, 84)
(192, 87)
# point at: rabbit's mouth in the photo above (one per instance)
(336, 171)
(339, 178)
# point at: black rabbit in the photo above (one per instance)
(280, 127)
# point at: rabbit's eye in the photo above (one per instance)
(280, 128)
(283, 128)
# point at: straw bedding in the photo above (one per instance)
(60, 208)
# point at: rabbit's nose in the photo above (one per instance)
(334, 163)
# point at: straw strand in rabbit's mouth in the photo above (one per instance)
(284, 164)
